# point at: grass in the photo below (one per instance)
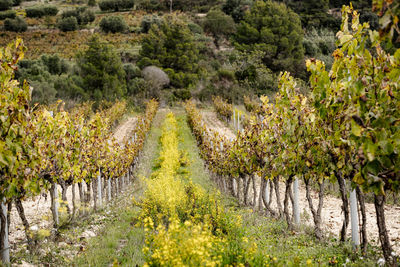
(187, 143)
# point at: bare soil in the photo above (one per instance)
(122, 132)
(215, 124)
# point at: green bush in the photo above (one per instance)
(68, 24)
(310, 48)
(236, 8)
(226, 74)
(87, 17)
(182, 94)
(91, 2)
(5, 4)
(195, 28)
(41, 11)
(148, 21)
(55, 65)
(15, 25)
(131, 71)
(113, 24)
(70, 13)
(137, 85)
(16, 2)
(150, 5)
(8, 14)
(116, 5)
(82, 15)
(219, 25)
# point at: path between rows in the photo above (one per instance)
(124, 129)
(215, 124)
(37, 209)
(332, 217)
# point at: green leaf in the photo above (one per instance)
(355, 129)
(358, 179)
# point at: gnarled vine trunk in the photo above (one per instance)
(364, 237)
(21, 213)
(379, 201)
(316, 213)
(288, 190)
(254, 191)
(278, 196)
(54, 204)
(345, 206)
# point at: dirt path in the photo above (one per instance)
(124, 129)
(213, 123)
(37, 209)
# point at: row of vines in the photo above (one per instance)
(46, 147)
(346, 131)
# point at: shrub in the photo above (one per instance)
(195, 28)
(131, 71)
(320, 41)
(148, 21)
(87, 17)
(150, 5)
(182, 94)
(5, 4)
(50, 10)
(226, 74)
(15, 25)
(113, 24)
(70, 13)
(155, 76)
(41, 11)
(116, 5)
(16, 2)
(310, 48)
(236, 9)
(219, 25)
(82, 15)
(8, 14)
(55, 65)
(68, 24)
(138, 85)
(91, 2)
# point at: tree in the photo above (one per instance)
(236, 8)
(313, 13)
(219, 25)
(101, 70)
(113, 24)
(272, 28)
(5, 4)
(171, 46)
